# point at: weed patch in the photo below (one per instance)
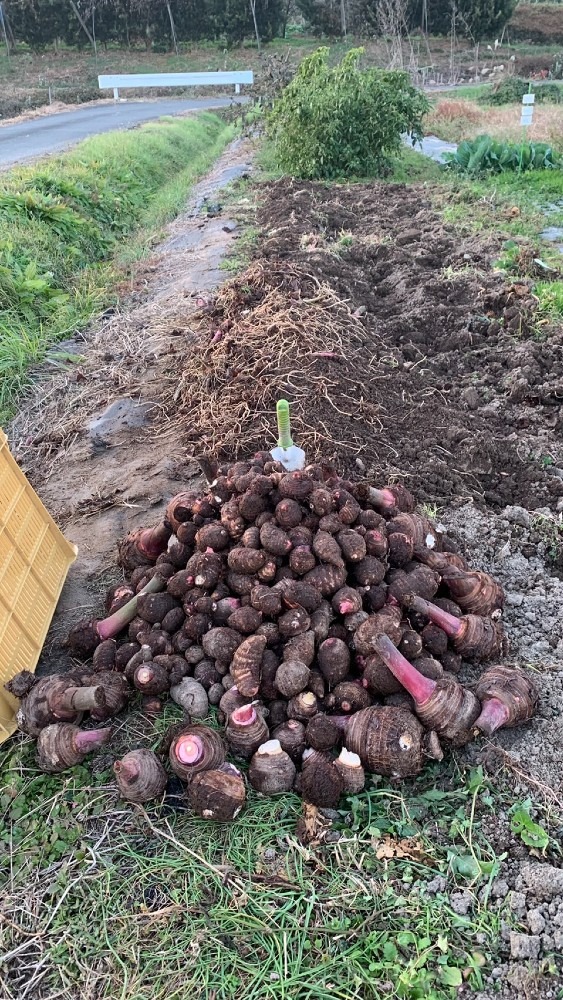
(64, 219)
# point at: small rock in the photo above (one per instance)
(517, 902)
(437, 884)
(500, 888)
(470, 397)
(504, 552)
(496, 973)
(558, 940)
(524, 945)
(518, 515)
(230, 226)
(269, 854)
(460, 902)
(536, 922)
(514, 600)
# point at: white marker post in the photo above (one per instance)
(526, 117)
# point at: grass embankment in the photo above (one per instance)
(108, 900)
(64, 223)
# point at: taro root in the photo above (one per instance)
(246, 665)
(180, 583)
(232, 520)
(268, 571)
(291, 736)
(173, 620)
(53, 699)
(124, 653)
(450, 661)
(417, 528)
(265, 599)
(320, 622)
(151, 706)
(388, 740)
(447, 605)
(252, 504)
(140, 776)
(347, 506)
(215, 693)
(245, 620)
(291, 677)
(295, 486)
(117, 596)
(271, 769)
(251, 538)
(376, 543)
(246, 561)
(475, 592)
(151, 678)
(378, 678)
(194, 749)
(353, 621)
(218, 794)
(349, 766)
(191, 696)
(333, 658)
(221, 644)
(180, 509)
(411, 644)
(206, 569)
(326, 578)
(508, 696)
(302, 560)
(300, 647)
(390, 500)
(444, 706)
(116, 694)
(369, 572)
(224, 608)
(321, 782)
(293, 622)
(62, 745)
(428, 667)
(476, 638)
(231, 700)
(352, 545)
(103, 657)
(177, 555)
(206, 674)
(143, 546)
(288, 514)
(212, 536)
(270, 664)
(186, 532)
(275, 539)
(298, 593)
(346, 601)
(270, 631)
(300, 535)
(421, 581)
(321, 501)
(322, 732)
(241, 583)
(327, 549)
(246, 730)
(89, 633)
(374, 598)
(303, 706)
(350, 696)
(387, 621)
(435, 639)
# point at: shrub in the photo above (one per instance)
(512, 90)
(485, 155)
(343, 121)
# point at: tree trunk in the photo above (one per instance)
(253, 9)
(172, 27)
(83, 25)
(343, 18)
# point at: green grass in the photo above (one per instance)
(70, 222)
(151, 903)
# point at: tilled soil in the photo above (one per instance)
(443, 381)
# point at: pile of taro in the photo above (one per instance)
(326, 620)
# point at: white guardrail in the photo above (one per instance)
(116, 82)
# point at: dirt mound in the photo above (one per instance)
(402, 352)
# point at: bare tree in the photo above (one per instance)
(256, 31)
(393, 25)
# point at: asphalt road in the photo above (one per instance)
(50, 134)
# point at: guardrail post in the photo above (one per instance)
(115, 94)
(237, 88)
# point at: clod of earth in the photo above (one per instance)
(306, 661)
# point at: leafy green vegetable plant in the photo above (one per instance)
(485, 155)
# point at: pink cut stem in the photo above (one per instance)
(189, 749)
(383, 499)
(243, 716)
(127, 769)
(493, 715)
(111, 626)
(419, 687)
(153, 541)
(89, 740)
(451, 625)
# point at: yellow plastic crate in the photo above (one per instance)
(34, 560)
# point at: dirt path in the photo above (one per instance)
(94, 439)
